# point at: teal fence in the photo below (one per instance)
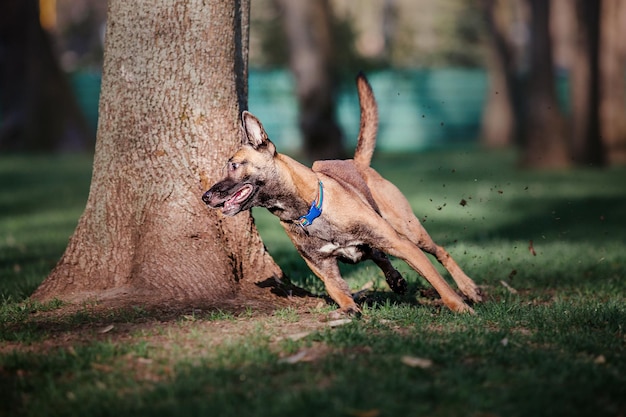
(418, 109)
(87, 88)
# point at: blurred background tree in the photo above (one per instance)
(542, 124)
(545, 77)
(38, 109)
(612, 80)
(309, 32)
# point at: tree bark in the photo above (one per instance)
(174, 84)
(543, 139)
(309, 35)
(38, 107)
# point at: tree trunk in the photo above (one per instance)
(543, 139)
(587, 146)
(174, 84)
(309, 35)
(500, 123)
(613, 87)
(38, 108)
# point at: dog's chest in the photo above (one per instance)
(349, 251)
(325, 240)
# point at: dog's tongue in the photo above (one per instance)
(237, 198)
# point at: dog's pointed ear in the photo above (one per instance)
(253, 133)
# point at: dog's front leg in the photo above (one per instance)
(327, 270)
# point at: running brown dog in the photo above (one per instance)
(339, 209)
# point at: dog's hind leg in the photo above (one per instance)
(418, 235)
(411, 254)
(397, 211)
(327, 270)
(465, 283)
(394, 279)
(386, 239)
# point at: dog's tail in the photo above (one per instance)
(369, 123)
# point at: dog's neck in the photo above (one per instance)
(301, 187)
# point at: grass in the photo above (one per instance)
(550, 343)
(41, 199)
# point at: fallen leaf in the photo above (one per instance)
(106, 329)
(339, 322)
(374, 412)
(508, 287)
(599, 360)
(295, 358)
(101, 367)
(306, 355)
(531, 248)
(415, 362)
(144, 361)
(298, 336)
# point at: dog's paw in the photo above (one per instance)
(346, 312)
(473, 293)
(462, 308)
(351, 311)
(396, 282)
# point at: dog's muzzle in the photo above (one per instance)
(206, 197)
(232, 199)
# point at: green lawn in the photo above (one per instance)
(549, 340)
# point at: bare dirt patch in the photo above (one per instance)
(188, 325)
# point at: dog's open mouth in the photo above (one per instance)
(233, 204)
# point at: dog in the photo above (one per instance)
(337, 210)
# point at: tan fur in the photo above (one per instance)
(369, 124)
(363, 215)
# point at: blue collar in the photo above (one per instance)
(315, 211)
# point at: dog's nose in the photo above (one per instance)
(206, 197)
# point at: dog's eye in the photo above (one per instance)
(233, 166)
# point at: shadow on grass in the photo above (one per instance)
(514, 361)
(588, 219)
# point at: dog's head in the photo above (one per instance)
(247, 170)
